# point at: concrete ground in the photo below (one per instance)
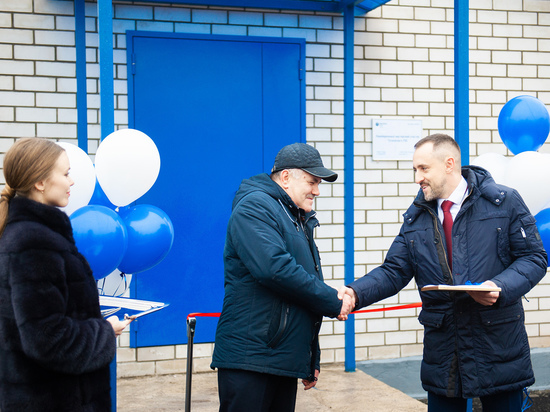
(337, 390)
(381, 386)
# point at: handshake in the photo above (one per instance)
(349, 300)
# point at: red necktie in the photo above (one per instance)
(448, 228)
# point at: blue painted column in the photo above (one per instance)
(349, 181)
(462, 80)
(81, 92)
(462, 87)
(107, 110)
(106, 77)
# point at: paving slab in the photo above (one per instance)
(404, 373)
(337, 390)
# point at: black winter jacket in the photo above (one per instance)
(55, 347)
(470, 350)
(275, 296)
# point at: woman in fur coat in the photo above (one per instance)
(55, 347)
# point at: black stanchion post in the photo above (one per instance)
(191, 322)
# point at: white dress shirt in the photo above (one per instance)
(457, 197)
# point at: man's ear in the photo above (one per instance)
(284, 178)
(449, 164)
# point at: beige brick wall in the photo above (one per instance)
(403, 69)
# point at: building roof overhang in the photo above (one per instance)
(329, 6)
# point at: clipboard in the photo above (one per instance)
(462, 288)
(136, 308)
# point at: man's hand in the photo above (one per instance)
(349, 299)
(485, 298)
(310, 384)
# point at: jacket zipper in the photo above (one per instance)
(282, 329)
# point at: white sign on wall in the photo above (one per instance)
(394, 139)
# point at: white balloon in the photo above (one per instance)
(494, 163)
(529, 173)
(127, 164)
(83, 173)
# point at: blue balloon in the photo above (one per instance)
(150, 238)
(100, 198)
(100, 235)
(523, 124)
(543, 225)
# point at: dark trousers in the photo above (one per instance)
(241, 391)
(501, 402)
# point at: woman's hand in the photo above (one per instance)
(119, 325)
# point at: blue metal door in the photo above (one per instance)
(218, 108)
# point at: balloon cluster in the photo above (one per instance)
(523, 125)
(112, 235)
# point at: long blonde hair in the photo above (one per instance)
(27, 162)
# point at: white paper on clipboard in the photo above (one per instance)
(140, 307)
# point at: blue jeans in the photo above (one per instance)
(501, 402)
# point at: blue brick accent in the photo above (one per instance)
(155, 26)
(133, 12)
(172, 14)
(282, 20)
(308, 34)
(120, 26)
(316, 22)
(209, 16)
(229, 30)
(252, 19)
(192, 28)
(265, 31)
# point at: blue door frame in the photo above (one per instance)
(220, 109)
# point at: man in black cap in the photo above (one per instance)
(275, 297)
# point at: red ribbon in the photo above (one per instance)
(407, 306)
(203, 315)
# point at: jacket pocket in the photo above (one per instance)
(507, 314)
(438, 344)
(431, 319)
(278, 326)
(504, 334)
(529, 229)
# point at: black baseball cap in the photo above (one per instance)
(305, 157)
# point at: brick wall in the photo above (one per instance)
(403, 69)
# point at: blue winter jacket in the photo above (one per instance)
(470, 350)
(275, 296)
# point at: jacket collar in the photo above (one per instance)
(480, 184)
(24, 209)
